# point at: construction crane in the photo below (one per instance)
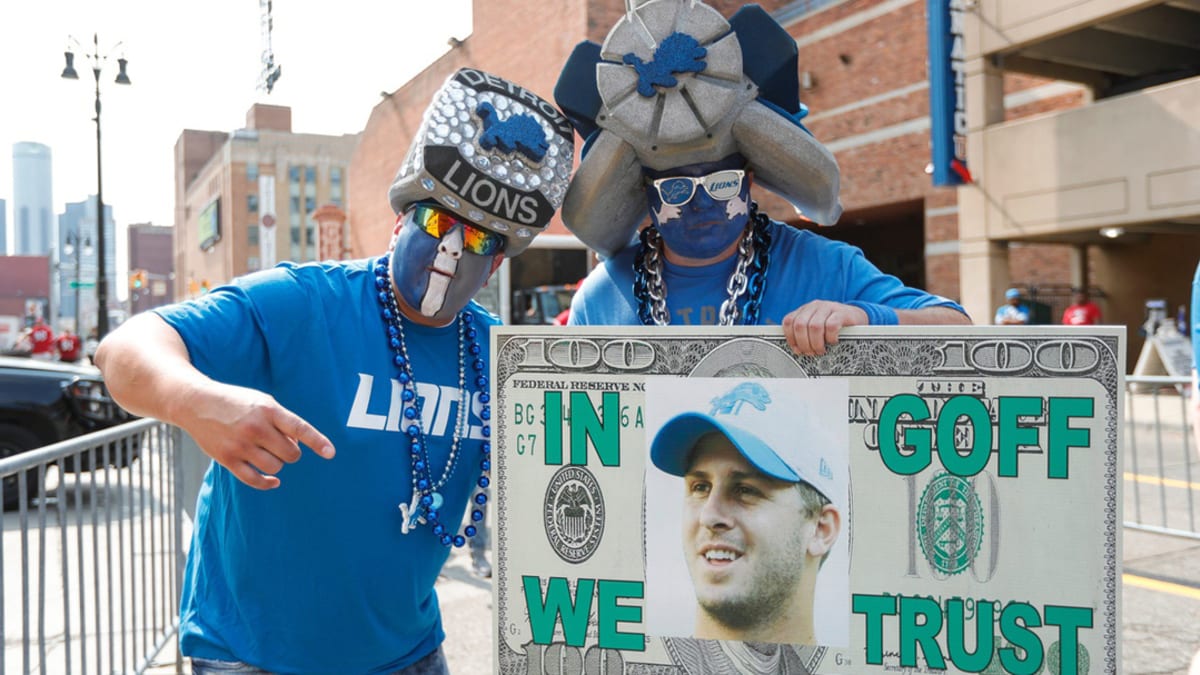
(270, 71)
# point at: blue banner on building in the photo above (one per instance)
(948, 92)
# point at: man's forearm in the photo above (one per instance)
(932, 316)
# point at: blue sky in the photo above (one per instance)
(195, 65)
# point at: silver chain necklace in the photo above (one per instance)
(656, 288)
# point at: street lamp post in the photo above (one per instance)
(80, 247)
(101, 264)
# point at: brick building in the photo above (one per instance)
(24, 294)
(864, 76)
(1099, 188)
(151, 266)
(244, 200)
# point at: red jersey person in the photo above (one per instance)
(1082, 311)
(41, 340)
(69, 346)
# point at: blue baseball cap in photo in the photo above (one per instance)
(790, 440)
(1012, 293)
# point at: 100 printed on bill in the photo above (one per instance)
(702, 500)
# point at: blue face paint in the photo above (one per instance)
(703, 227)
(429, 278)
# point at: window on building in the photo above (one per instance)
(252, 203)
(253, 264)
(294, 226)
(310, 175)
(294, 189)
(310, 248)
(252, 172)
(252, 234)
(310, 198)
(335, 185)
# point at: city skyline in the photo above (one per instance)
(205, 76)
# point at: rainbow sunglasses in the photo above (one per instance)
(437, 223)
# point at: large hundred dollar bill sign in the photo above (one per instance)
(701, 500)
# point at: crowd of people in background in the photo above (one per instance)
(1017, 311)
(39, 341)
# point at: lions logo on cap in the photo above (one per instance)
(747, 392)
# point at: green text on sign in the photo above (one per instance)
(574, 607)
(1013, 432)
(602, 429)
(920, 621)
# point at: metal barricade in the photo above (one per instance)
(93, 554)
(1162, 476)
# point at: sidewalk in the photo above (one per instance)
(466, 602)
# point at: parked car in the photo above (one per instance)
(44, 402)
(541, 305)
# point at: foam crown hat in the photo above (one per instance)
(778, 430)
(675, 84)
(492, 152)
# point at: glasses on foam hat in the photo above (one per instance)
(720, 185)
(438, 223)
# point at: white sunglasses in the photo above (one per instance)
(720, 185)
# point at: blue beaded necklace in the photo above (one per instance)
(426, 500)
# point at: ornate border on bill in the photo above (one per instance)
(975, 488)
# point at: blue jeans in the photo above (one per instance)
(432, 664)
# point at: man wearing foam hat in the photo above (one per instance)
(765, 486)
(300, 565)
(682, 111)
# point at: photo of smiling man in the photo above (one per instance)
(747, 489)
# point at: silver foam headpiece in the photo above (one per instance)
(492, 152)
(671, 89)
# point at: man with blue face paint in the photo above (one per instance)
(700, 210)
(682, 111)
(300, 565)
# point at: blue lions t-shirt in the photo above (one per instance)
(803, 267)
(315, 576)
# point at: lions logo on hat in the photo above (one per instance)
(732, 402)
(518, 133)
(786, 428)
